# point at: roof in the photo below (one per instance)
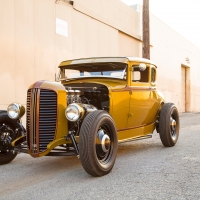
(105, 59)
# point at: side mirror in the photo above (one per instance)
(142, 66)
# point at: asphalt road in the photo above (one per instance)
(143, 170)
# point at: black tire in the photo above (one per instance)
(98, 143)
(7, 157)
(169, 124)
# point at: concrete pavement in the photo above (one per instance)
(144, 169)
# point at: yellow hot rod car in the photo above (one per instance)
(94, 104)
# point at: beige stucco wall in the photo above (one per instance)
(30, 49)
(169, 50)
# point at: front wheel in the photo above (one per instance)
(98, 143)
(7, 135)
(169, 125)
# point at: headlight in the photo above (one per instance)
(74, 112)
(15, 111)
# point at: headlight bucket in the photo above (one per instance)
(74, 112)
(15, 111)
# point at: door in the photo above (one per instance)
(143, 103)
(182, 109)
(185, 89)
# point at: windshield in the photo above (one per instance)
(108, 70)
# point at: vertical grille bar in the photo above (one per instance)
(47, 118)
(32, 104)
(41, 118)
(28, 117)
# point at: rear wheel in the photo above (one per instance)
(98, 143)
(7, 135)
(169, 125)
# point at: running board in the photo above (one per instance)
(135, 138)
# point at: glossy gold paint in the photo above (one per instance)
(132, 133)
(134, 106)
(61, 123)
(16, 140)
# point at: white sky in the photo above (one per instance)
(181, 15)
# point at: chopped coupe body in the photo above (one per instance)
(95, 104)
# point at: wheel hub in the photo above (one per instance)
(173, 124)
(173, 128)
(103, 143)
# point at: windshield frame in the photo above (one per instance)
(112, 67)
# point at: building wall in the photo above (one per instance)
(30, 49)
(178, 79)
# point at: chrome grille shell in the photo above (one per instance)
(41, 119)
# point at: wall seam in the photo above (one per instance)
(34, 67)
(55, 59)
(14, 51)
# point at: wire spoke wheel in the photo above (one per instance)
(7, 135)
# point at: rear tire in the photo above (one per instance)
(169, 124)
(98, 143)
(6, 155)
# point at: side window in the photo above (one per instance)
(136, 76)
(153, 75)
(140, 76)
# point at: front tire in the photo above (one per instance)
(169, 125)
(6, 154)
(98, 143)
